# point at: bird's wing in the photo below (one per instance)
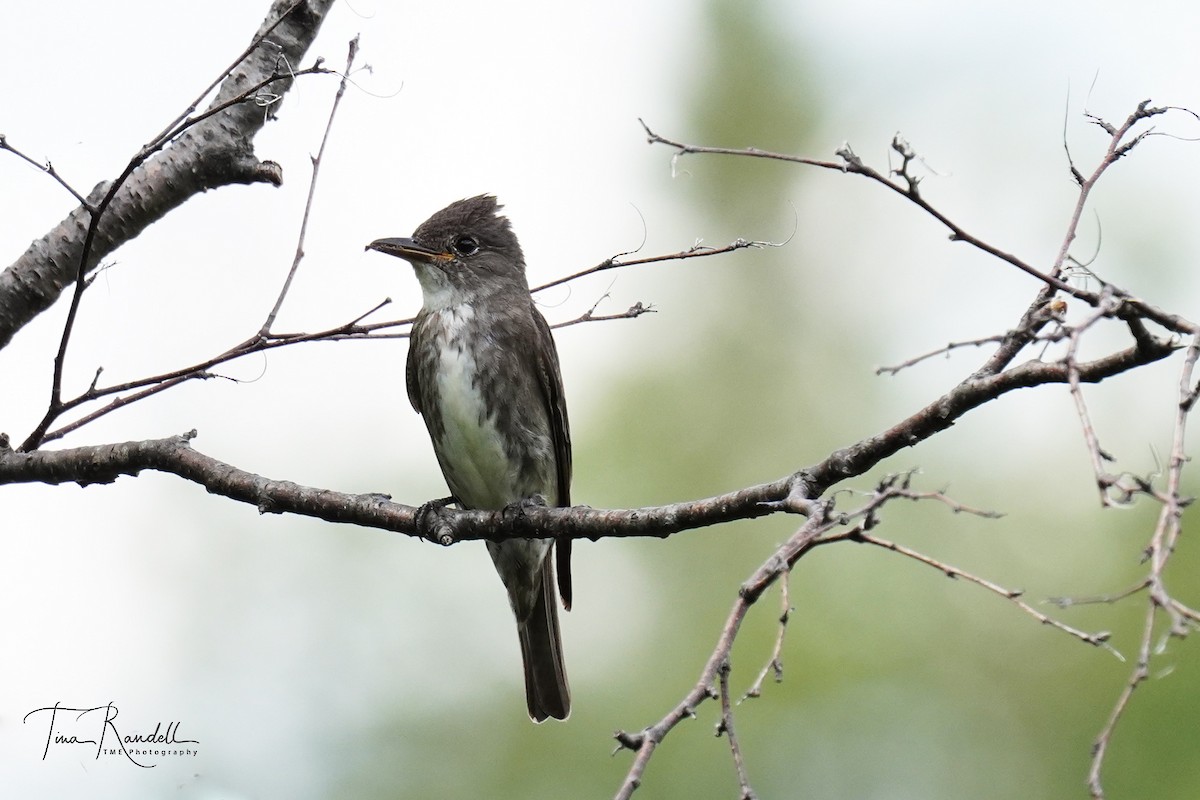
(550, 381)
(410, 370)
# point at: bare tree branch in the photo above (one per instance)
(195, 152)
(725, 726)
(775, 664)
(1181, 619)
(269, 322)
(818, 530)
(446, 525)
(213, 151)
(646, 741)
(807, 485)
(1098, 639)
(695, 251)
(47, 168)
(907, 186)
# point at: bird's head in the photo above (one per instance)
(463, 252)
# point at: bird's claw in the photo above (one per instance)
(514, 513)
(427, 518)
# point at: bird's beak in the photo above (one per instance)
(409, 250)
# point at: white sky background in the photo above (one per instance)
(539, 104)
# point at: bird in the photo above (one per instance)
(483, 373)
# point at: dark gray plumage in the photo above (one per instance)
(483, 373)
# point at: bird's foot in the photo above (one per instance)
(514, 513)
(427, 518)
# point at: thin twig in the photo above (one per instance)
(858, 534)
(158, 383)
(47, 168)
(695, 251)
(946, 350)
(725, 726)
(906, 187)
(633, 312)
(645, 742)
(96, 213)
(906, 184)
(1162, 546)
(1096, 599)
(269, 322)
(775, 664)
(817, 530)
(1104, 480)
(259, 342)
(174, 127)
(1141, 671)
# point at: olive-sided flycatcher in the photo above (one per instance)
(483, 372)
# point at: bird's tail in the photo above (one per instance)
(546, 690)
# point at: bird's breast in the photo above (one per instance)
(470, 446)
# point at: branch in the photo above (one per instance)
(1098, 639)
(1108, 302)
(791, 494)
(907, 186)
(725, 726)
(97, 464)
(941, 351)
(815, 532)
(775, 664)
(695, 251)
(269, 322)
(209, 151)
(1181, 619)
(229, 114)
(633, 312)
(849, 162)
(47, 168)
(105, 463)
(147, 387)
(646, 741)
(260, 342)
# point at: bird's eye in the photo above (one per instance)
(466, 245)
